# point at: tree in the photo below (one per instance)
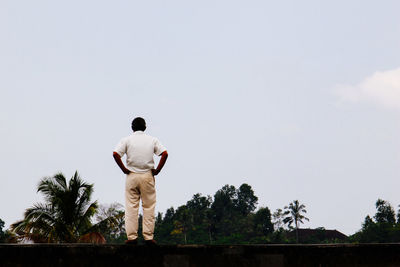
(368, 222)
(183, 222)
(6, 236)
(228, 218)
(2, 234)
(294, 214)
(382, 229)
(278, 217)
(66, 214)
(198, 206)
(224, 211)
(370, 231)
(262, 221)
(398, 216)
(384, 212)
(246, 201)
(111, 221)
(199, 212)
(164, 227)
(224, 201)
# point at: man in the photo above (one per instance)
(140, 183)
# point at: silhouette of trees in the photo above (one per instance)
(2, 234)
(66, 214)
(382, 228)
(246, 201)
(384, 212)
(262, 221)
(398, 215)
(227, 218)
(5, 236)
(277, 218)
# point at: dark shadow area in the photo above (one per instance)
(199, 255)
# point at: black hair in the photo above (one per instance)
(138, 124)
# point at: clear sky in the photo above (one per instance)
(299, 99)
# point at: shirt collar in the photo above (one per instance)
(138, 132)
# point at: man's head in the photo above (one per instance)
(138, 124)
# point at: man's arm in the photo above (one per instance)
(161, 164)
(118, 160)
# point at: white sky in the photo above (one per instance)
(299, 99)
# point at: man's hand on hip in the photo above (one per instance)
(118, 160)
(163, 159)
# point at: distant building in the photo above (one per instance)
(318, 235)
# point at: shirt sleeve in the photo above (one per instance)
(158, 147)
(121, 148)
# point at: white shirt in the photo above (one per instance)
(139, 149)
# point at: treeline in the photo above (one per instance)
(229, 217)
(383, 227)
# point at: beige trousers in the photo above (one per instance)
(140, 186)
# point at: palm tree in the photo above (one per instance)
(294, 214)
(66, 214)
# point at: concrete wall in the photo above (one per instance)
(196, 256)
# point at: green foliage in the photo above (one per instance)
(398, 215)
(384, 212)
(228, 218)
(279, 237)
(111, 221)
(262, 221)
(164, 227)
(277, 219)
(4, 235)
(246, 201)
(382, 228)
(66, 214)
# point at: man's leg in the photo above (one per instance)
(132, 199)
(148, 194)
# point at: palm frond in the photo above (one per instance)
(85, 220)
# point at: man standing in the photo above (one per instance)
(140, 183)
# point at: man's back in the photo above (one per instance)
(139, 149)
